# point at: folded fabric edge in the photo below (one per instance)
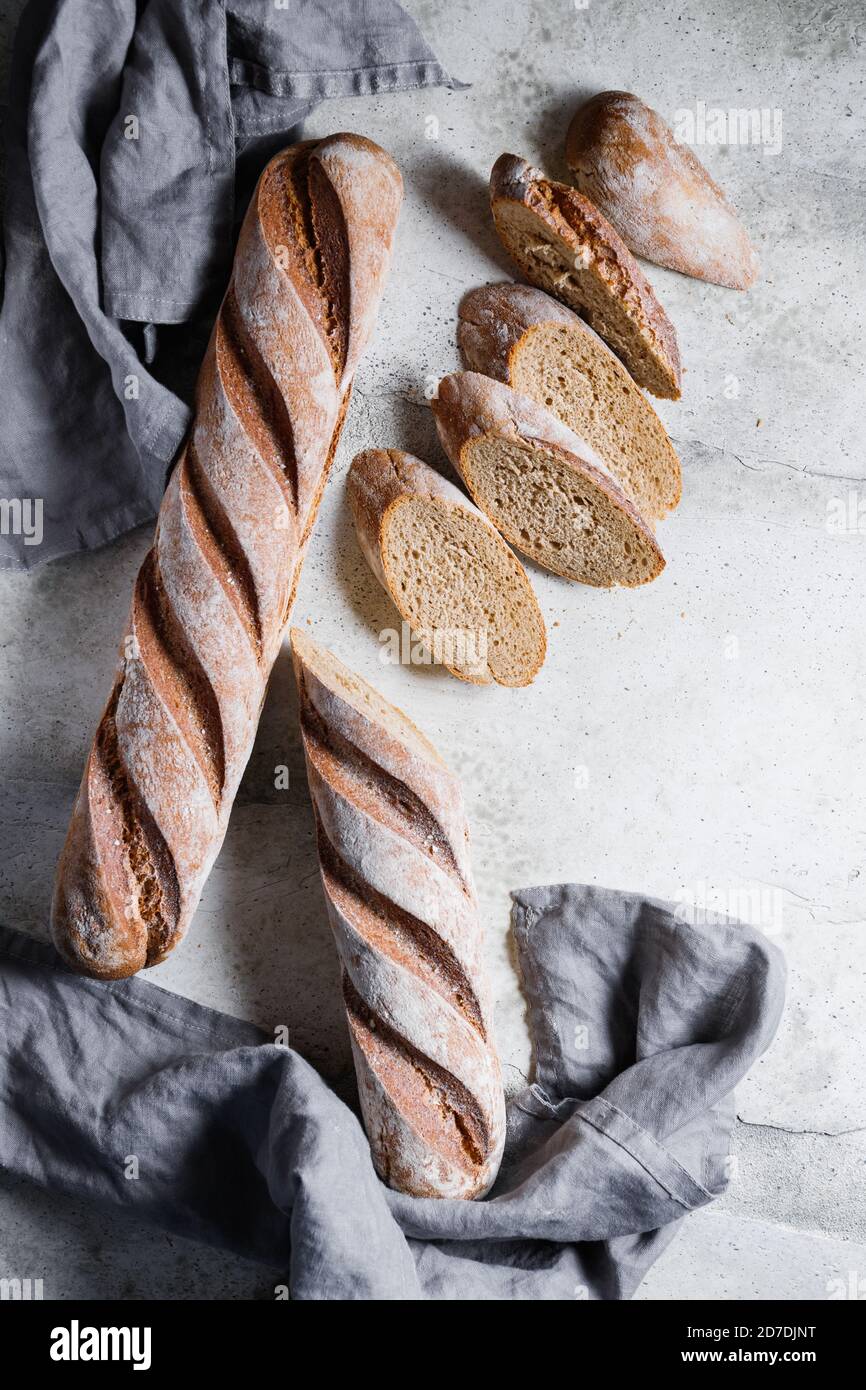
(661, 1165)
(529, 905)
(764, 957)
(539, 898)
(360, 81)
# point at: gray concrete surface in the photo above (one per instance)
(701, 739)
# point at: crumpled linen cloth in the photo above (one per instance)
(642, 1025)
(136, 130)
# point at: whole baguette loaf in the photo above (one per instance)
(447, 569)
(564, 245)
(213, 595)
(394, 855)
(656, 192)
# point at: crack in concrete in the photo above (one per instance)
(781, 888)
(787, 1129)
(762, 464)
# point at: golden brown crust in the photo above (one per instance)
(394, 853)
(492, 319)
(214, 593)
(497, 323)
(656, 192)
(591, 241)
(470, 407)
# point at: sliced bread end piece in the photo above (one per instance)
(455, 582)
(563, 244)
(542, 349)
(543, 487)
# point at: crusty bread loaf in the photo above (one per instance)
(545, 489)
(563, 244)
(394, 854)
(521, 336)
(456, 584)
(214, 593)
(656, 192)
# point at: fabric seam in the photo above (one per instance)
(338, 72)
(620, 1143)
(204, 80)
(244, 128)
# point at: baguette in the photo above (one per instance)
(214, 593)
(656, 192)
(563, 244)
(394, 855)
(543, 487)
(521, 336)
(448, 571)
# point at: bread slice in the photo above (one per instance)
(656, 192)
(563, 244)
(449, 572)
(526, 339)
(546, 490)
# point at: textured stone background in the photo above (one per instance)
(717, 713)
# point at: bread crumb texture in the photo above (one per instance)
(559, 514)
(461, 589)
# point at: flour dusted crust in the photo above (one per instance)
(494, 318)
(592, 271)
(496, 329)
(470, 408)
(469, 405)
(656, 192)
(213, 596)
(394, 852)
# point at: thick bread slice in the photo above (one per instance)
(449, 572)
(546, 490)
(563, 244)
(539, 347)
(656, 192)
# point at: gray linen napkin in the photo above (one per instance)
(642, 1025)
(134, 137)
